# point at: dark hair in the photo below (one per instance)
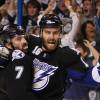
(80, 43)
(83, 27)
(34, 3)
(97, 1)
(9, 32)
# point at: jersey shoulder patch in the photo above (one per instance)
(17, 54)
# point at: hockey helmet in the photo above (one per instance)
(50, 20)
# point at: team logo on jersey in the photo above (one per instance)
(17, 54)
(43, 71)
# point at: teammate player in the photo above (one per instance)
(52, 63)
(18, 85)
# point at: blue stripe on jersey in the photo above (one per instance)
(90, 78)
(74, 74)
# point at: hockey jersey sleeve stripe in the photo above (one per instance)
(90, 78)
(76, 75)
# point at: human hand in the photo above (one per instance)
(4, 52)
(68, 4)
(51, 4)
(87, 44)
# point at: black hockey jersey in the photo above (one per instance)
(19, 77)
(51, 69)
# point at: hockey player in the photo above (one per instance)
(53, 63)
(18, 71)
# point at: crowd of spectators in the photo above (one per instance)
(81, 30)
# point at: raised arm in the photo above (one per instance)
(48, 10)
(94, 52)
(80, 71)
(68, 39)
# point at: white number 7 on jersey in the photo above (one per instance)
(20, 70)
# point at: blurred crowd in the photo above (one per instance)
(81, 31)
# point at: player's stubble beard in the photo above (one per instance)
(48, 42)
